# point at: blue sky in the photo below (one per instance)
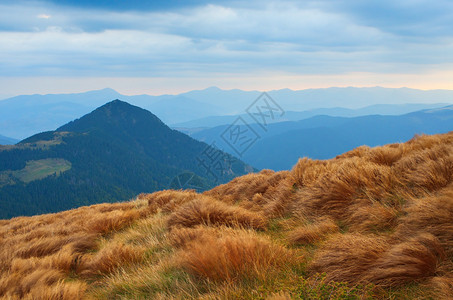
(172, 46)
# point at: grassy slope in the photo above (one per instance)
(372, 223)
(39, 169)
(35, 170)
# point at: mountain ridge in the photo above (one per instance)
(46, 112)
(324, 137)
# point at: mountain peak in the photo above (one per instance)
(117, 102)
(108, 90)
(213, 88)
(105, 91)
(113, 116)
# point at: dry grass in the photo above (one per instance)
(312, 233)
(432, 214)
(267, 192)
(413, 260)
(346, 257)
(168, 200)
(232, 256)
(351, 184)
(38, 254)
(380, 216)
(215, 213)
(109, 258)
(442, 286)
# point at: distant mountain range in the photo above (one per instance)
(377, 109)
(108, 155)
(323, 137)
(4, 140)
(25, 115)
(236, 101)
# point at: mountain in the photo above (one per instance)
(324, 137)
(25, 115)
(180, 109)
(378, 109)
(110, 154)
(353, 98)
(236, 101)
(373, 223)
(4, 140)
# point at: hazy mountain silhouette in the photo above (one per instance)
(23, 116)
(4, 140)
(378, 109)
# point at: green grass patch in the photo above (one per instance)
(39, 169)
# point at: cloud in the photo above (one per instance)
(197, 38)
(406, 18)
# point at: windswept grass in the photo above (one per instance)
(232, 256)
(213, 212)
(373, 223)
(312, 233)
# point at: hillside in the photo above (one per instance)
(324, 137)
(372, 223)
(111, 154)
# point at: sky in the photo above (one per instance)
(157, 47)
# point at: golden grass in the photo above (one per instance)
(346, 257)
(215, 213)
(409, 261)
(38, 254)
(232, 256)
(377, 222)
(312, 233)
(109, 258)
(432, 214)
(168, 200)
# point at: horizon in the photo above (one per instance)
(6, 97)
